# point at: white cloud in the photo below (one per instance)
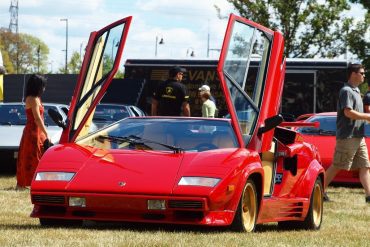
(184, 25)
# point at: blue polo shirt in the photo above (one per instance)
(349, 97)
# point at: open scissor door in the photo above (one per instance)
(101, 61)
(252, 93)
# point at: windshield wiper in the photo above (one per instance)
(174, 148)
(131, 141)
(135, 140)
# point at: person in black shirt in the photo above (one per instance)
(171, 97)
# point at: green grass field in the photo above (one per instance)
(346, 223)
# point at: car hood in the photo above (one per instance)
(11, 135)
(128, 171)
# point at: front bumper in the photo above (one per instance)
(131, 208)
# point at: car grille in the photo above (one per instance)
(185, 204)
(48, 199)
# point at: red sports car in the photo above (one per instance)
(180, 170)
(324, 139)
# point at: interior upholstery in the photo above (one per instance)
(268, 159)
(157, 133)
(223, 140)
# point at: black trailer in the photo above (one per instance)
(311, 85)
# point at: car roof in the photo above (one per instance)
(325, 114)
(113, 104)
(22, 103)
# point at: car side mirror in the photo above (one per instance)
(57, 118)
(270, 123)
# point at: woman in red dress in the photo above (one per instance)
(34, 133)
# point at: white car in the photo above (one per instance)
(12, 122)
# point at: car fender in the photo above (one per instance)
(314, 170)
(252, 170)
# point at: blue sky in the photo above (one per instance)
(183, 24)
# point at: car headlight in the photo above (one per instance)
(54, 176)
(199, 181)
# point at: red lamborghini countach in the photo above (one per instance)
(184, 170)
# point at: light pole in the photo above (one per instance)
(113, 42)
(66, 20)
(81, 51)
(161, 42)
(38, 59)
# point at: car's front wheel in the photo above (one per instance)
(246, 214)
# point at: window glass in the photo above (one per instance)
(101, 64)
(327, 126)
(158, 134)
(245, 112)
(246, 44)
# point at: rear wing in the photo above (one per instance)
(300, 124)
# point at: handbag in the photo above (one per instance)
(47, 144)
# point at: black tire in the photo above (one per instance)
(47, 222)
(314, 215)
(313, 219)
(246, 215)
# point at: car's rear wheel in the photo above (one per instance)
(246, 214)
(59, 222)
(313, 219)
(314, 216)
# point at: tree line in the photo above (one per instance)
(312, 28)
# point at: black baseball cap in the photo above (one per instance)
(177, 69)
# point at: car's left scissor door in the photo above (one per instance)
(101, 62)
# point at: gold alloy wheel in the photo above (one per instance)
(249, 207)
(317, 205)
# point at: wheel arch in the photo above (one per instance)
(314, 170)
(254, 171)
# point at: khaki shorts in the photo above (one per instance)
(351, 154)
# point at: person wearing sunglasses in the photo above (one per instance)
(350, 149)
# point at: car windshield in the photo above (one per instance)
(170, 134)
(327, 126)
(16, 115)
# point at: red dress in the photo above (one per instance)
(30, 149)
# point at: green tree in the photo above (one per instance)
(358, 42)
(312, 28)
(74, 65)
(6, 63)
(26, 53)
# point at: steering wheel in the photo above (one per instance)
(205, 146)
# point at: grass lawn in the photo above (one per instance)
(346, 223)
